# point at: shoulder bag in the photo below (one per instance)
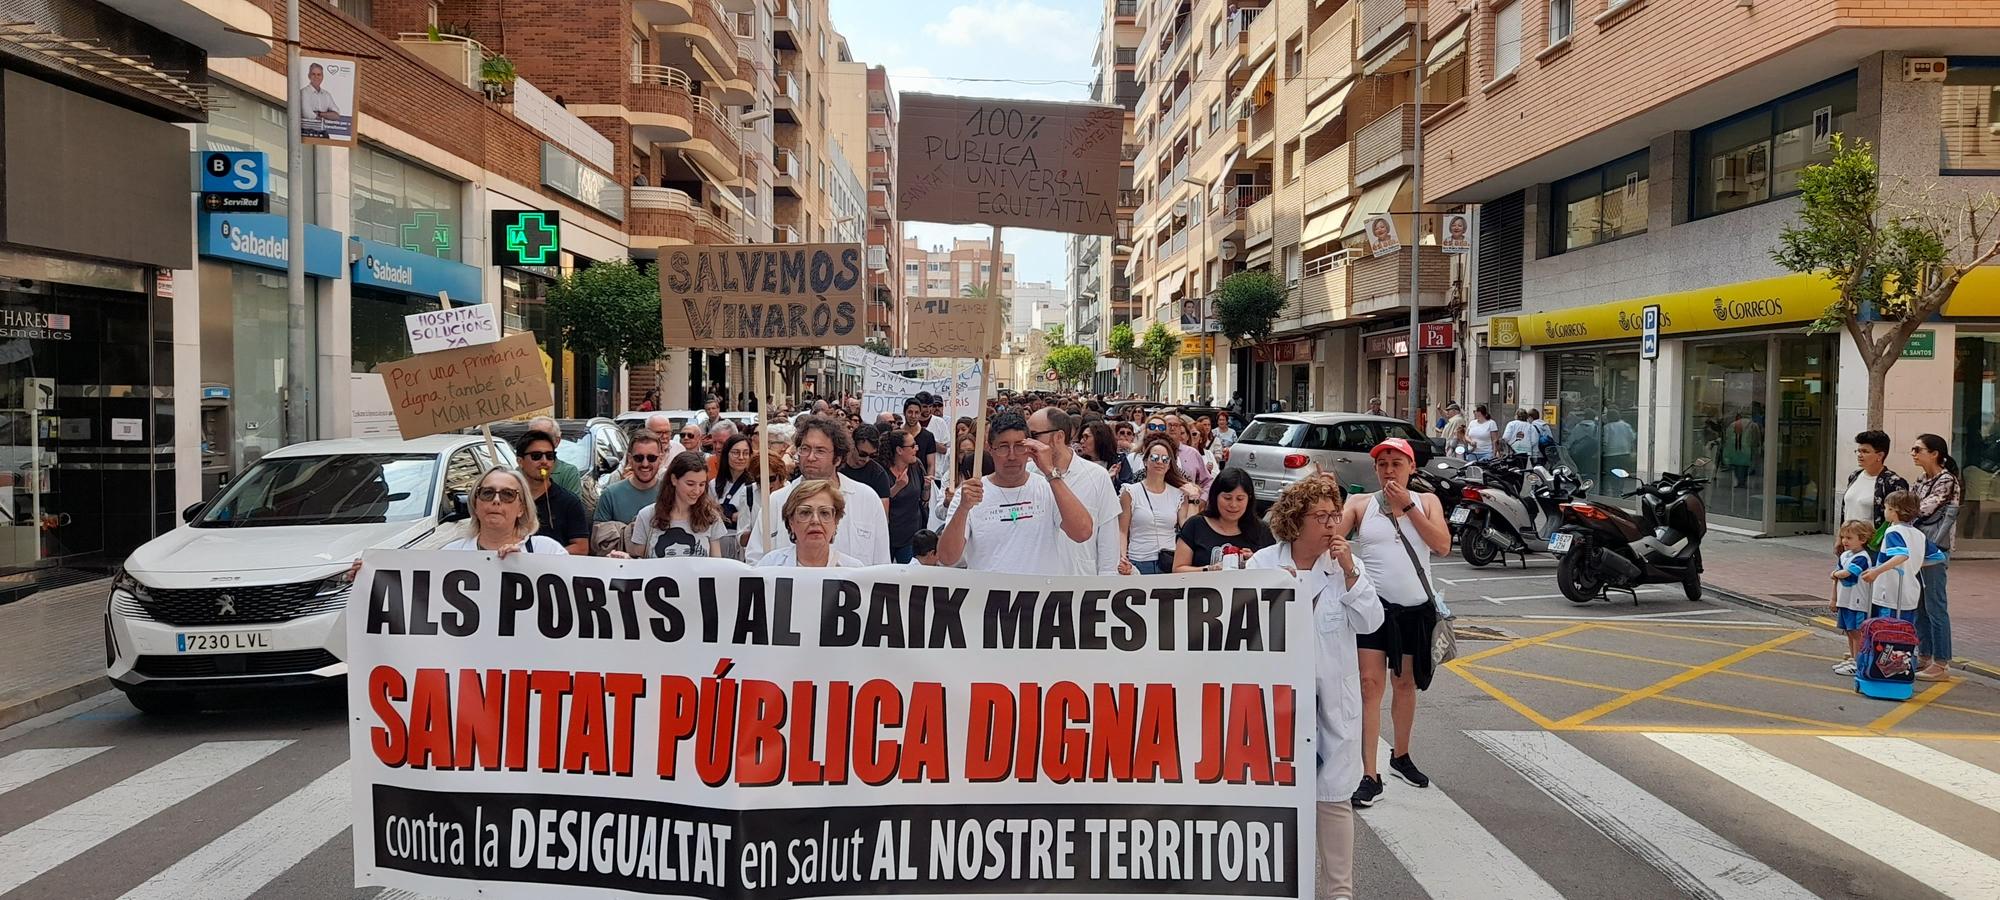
(1444, 643)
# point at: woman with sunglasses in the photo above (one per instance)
(503, 520)
(1154, 509)
(1189, 460)
(685, 521)
(811, 516)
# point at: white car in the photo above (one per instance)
(251, 591)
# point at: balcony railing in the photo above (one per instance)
(1327, 179)
(1130, 152)
(1331, 52)
(1262, 121)
(1130, 198)
(662, 75)
(1125, 9)
(1237, 200)
(1258, 219)
(788, 85)
(456, 56)
(785, 163)
(720, 228)
(1378, 16)
(1385, 138)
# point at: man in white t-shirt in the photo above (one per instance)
(1092, 484)
(864, 530)
(1015, 520)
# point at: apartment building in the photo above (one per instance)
(1269, 134)
(1033, 306)
(1607, 177)
(951, 272)
(1100, 292)
(885, 233)
(863, 111)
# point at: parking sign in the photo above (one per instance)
(1649, 333)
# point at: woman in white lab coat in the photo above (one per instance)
(1312, 545)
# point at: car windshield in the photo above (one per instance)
(326, 490)
(1272, 432)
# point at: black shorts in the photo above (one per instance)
(1405, 631)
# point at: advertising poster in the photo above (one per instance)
(1381, 231)
(326, 99)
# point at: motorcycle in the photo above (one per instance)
(1516, 514)
(1446, 478)
(1602, 548)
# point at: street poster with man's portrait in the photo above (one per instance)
(325, 85)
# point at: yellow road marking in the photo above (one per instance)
(1608, 621)
(1526, 712)
(1967, 709)
(1523, 642)
(1678, 679)
(1669, 698)
(1909, 707)
(1699, 640)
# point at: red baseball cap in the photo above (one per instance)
(1395, 443)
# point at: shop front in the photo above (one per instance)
(390, 283)
(1386, 373)
(245, 337)
(1739, 393)
(1975, 406)
(1285, 367)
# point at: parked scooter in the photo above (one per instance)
(1602, 548)
(1446, 477)
(1516, 512)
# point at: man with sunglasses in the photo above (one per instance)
(1016, 520)
(560, 512)
(645, 459)
(1092, 485)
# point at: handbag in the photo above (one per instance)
(1444, 642)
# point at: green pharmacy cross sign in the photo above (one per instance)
(526, 237)
(427, 234)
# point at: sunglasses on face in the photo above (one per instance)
(539, 455)
(1152, 427)
(1157, 458)
(644, 458)
(504, 495)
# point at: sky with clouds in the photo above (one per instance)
(928, 46)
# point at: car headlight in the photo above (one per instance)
(123, 581)
(335, 586)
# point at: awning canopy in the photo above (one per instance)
(1450, 47)
(1325, 110)
(1170, 285)
(1257, 76)
(1390, 196)
(1325, 226)
(1381, 58)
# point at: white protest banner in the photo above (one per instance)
(884, 388)
(565, 727)
(457, 326)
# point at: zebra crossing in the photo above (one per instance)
(1711, 815)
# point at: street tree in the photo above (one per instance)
(1154, 352)
(1896, 256)
(1072, 363)
(1120, 342)
(1247, 305)
(791, 363)
(610, 310)
(1054, 336)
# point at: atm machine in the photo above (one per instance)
(217, 439)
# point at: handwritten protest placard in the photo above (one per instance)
(762, 295)
(952, 326)
(551, 727)
(457, 326)
(983, 161)
(436, 393)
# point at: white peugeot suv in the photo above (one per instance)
(251, 591)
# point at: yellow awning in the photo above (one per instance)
(1383, 56)
(1324, 111)
(1390, 196)
(1330, 224)
(1447, 48)
(1257, 76)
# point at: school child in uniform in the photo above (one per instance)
(1903, 550)
(1851, 595)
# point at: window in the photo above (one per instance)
(1969, 116)
(1506, 39)
(1603, 204)
(1758, 155)
(360, 9)
(1215, 35)
(404, 204)
(1445, 73)
(1215, 117)
(1559, 20)
(244, 121)
(1295, 57)
(1291, 265)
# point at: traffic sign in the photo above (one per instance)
(1649, 333)
(1052, 376)
(526, 237)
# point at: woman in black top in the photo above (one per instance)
(1226, 520)
(735, 482)
(1100, 446)
(908, 490)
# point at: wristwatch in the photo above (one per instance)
(1058, 474)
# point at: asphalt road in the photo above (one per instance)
(1613, 750)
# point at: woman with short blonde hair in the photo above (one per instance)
(503, 517)
(811, 516)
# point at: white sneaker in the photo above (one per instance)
(1844, 667)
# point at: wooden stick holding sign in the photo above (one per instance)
(760, 382)
(465, 387)
(994, 298)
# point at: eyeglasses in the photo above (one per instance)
(1152, 427)
(539, 455)
(1009, 449)
(816, 513)
(1038, 434)
(1157, 458)
(1325, 518)
(504, 495)
(809, 452)
(644, 458)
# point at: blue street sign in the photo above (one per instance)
(233, 171)
(1649, 333)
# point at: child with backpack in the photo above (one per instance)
(1851, 595)
(1885, 667)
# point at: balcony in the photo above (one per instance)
(881, 133)
(714, 139)
(659, 105)
(785, 166)
(880, 170)
(1263, 122)
(1125, 9)
(1237, 201)
(458, 57)
(1257, 219)
(785, 234)
(1378, 283)
(1330, 59)
(1385, 145)
(880, 206)
(1327, 180)
(1382, 20)
(783, 30)
(662, 217)
(1262, 36)
(1324, 294)
(785, 103)
(1130, 199)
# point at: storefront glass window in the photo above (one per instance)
(1726, 384)
(1804, 409)
(261, 346)
(243, 121)
(405, 205)
(379, 332)
(1603, 204)
(1975, 434)
(1758, 155)
(1970, 114)
(1597, 416)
